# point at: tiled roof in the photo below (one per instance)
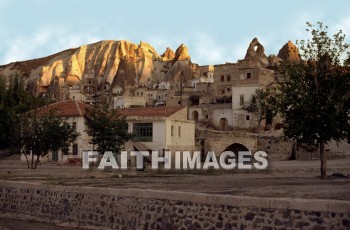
(150, 111)
(68, 108)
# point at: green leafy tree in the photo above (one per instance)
(14, 99)
(8, 129)
(314, 94)
(263, 105)
(40, 135)
(108, 129)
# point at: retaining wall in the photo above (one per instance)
(154, 209)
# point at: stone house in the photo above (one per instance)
(218, 116)
(164, 85)
(75, 93)
(140, 91)
(153, 96)
(121, 102)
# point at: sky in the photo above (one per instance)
(215, 31)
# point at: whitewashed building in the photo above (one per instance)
(160, 128)
(241, 95)
(74, 112)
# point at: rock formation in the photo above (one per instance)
(168, 55)
(274, 61)
(289, 52)
(119, 67)
(105, 63)
(181, 54)
(256, 52)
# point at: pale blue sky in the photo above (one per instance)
(215, 31)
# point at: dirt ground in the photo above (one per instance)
(291, 179)
(15, 224)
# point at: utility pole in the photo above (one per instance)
(181, 87)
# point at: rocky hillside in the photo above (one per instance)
(107, 63)
(121, 66)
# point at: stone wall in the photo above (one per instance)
(276, 147)
(152, 209)
(218, 141)
(332, 151)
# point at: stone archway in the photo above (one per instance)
(236, 148)
(195, 115)
(223, 124)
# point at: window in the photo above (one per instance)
(172, 130)
(74, 125)
(137, 93)
(228, 77)
(73, 97)
(65, 151)
(228, 89)
(195, 115)
(75, 149)
(222, 78)
(179, 131)
(162, 152)
(141, 93)
(143, 132)
(223, 91)
(247, 117)
(241, 100)
(248, 75)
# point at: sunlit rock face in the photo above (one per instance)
(100, 62)
(289, 52)
(168, 55)
(181, 54)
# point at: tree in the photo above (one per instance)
(14, 99)
(108, 129)
(40, 135)
(8, 129)
(314, 94)
(3, 91)
(263, 104)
